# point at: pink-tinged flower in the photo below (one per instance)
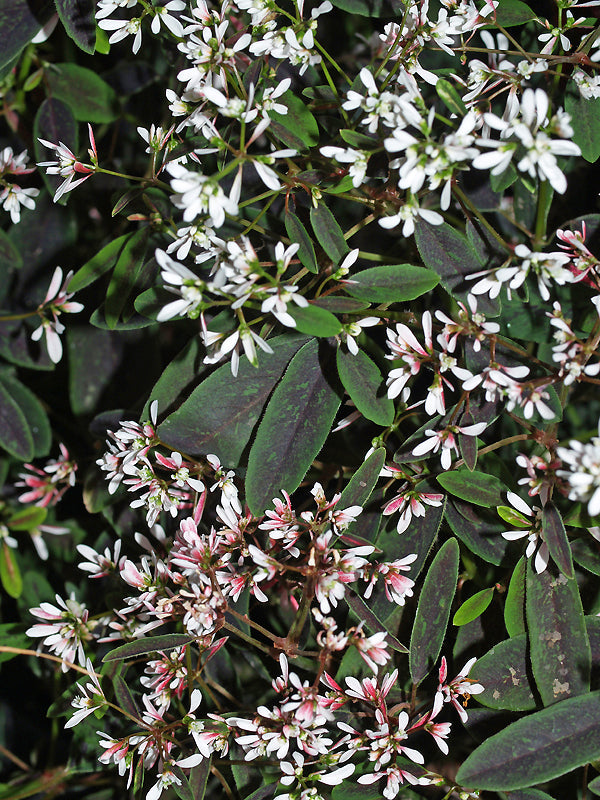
(56, 302)
(373, 649)
(397, 587)
(46, 486)
(446, 441)
(457, 691)
(64, 628)
(68, 166)
(395, 777)
(99, 565)
(411, 503)
(371, 690)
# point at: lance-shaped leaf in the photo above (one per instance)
(127, 272)
(585, 119)
(555, 536)
(80, 23)
(221, 413)
(10, 261)
(328, 233)
(450, 97)
(34, 413)
(149, 644)
(299, 235)
(293, 429)
(392, 283)
(473, 607)
(26, 519)
(594, 785)
(363, 381)
(474, 487)
(433, 611)
(15, 435)
(586, 552)
(10, 574)
(177, 378)
(372, 622)
(504, 672)
(94, 357)
(340, 305)
(477, 530)
(102, 262)
(514, 605)
(363, 481)
(537, 748)
(560, 647)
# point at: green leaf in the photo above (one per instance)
(299, 235)
(585, 121)
(15, 435)
(513, 517)
(555, 536)
(94, 357)
(481, 534)
(514, 605)
(298, 128)
(560, 647)
(10, 574)
(503, 672)
(20, 21)
(54, 121)
(89, 97)
(102, 262)
(368, 8)
(340, 305)
(594, 785)
(328, 233)
(586, 553)
(34, 413)
(450, 97)
(178, 378)
(537, 748)
(372, 622)
(295, 425)
(360, 486)
(10, 261)
(13, 635)
(127, 271)
(474, 487)
(363, 381)
(26, 519)
(315, 321)
(433, 611)
(451, 256)
(79, 20)
(221, 413)
(359, 141)
(510, 13)
(149, 644)
(473, 607)
(392, 283)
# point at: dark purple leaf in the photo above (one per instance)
(294, 427)
(555, 535)
(433, 611)
(148, 644)
(80, 22)
(537, 748)
(560, 647)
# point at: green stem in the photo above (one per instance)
(540, 222)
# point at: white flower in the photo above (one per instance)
(583, 472)
(123, 28)
(56, 302)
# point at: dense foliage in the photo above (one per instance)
(299, 413)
